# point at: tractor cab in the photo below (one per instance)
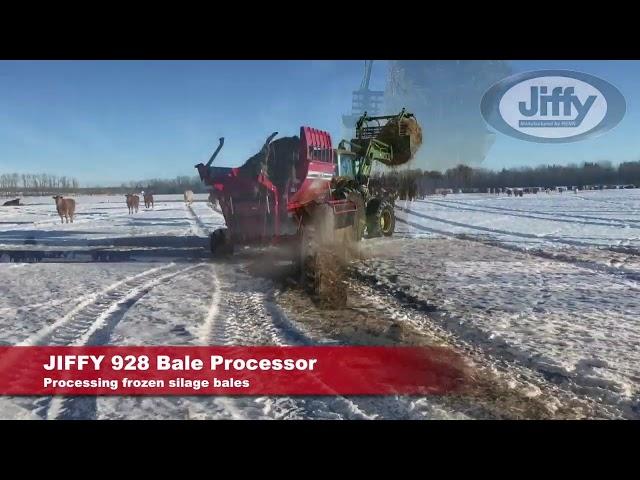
(350, 163)
(347, 164)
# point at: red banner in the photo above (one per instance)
(229, 371)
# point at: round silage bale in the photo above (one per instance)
(403, 151)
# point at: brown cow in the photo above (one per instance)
(148, 200)
(133, 201)
(66, 208)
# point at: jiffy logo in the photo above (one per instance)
(553, 106)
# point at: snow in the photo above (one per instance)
(558, 295)
(543, 286)
(589, 219)
(147, 279)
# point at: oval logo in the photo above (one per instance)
(553, 106)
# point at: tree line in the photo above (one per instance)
(412, 183)
(45, 184)
(407, 183)
(172, 186)
(38, 183)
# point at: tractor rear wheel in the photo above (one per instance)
(382, 221)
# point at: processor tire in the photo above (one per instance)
(220, 243)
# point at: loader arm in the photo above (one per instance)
(371, 151)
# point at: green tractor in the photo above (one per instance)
(391, 140)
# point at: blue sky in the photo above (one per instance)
(106, 122)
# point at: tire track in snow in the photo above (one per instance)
(618, 249)
(625, 249)
(88, 300)
(504, 353)
(621, 248)
(524, 214)
(213, 314)
(559, 257)
(265, 323)
(231, 325)
(169, 406)
(617, 204)
(249, 316)
(576, 381)
(200, 227)
(41, 405)
(98, 333)
(496, 230)
(558, 214)
(91, 323)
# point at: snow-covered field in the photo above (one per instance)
(587, 219)
(147, 279)
(547, 281)
(544, 288)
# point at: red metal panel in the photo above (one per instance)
(315, 138)
(323, 167)
(314, 171)
(320, 142)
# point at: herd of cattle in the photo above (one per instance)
(509, 191)
(133, 202)
(519, 192)
(67, 206)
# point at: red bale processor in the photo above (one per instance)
(257, 210)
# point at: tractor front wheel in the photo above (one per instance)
(382, 221)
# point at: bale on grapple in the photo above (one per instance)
(404, 135)
(389, 139)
